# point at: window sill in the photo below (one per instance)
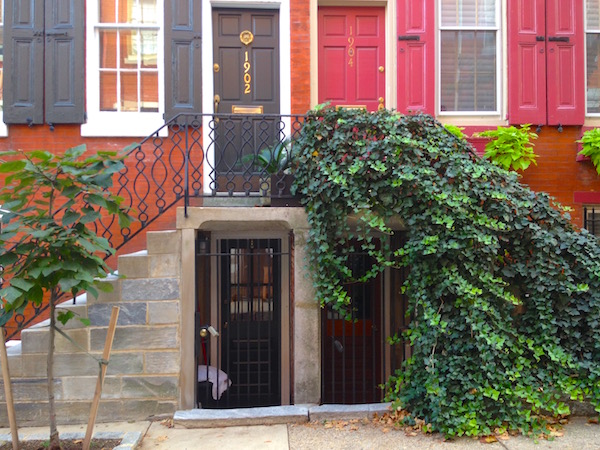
(123, 125)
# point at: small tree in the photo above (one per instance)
(48, 249)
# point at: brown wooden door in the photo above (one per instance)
(352, 57)
(246, 80)
(246, 49)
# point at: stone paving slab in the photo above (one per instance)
(257, 437)
(322, 412)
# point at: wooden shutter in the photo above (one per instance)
(64, 61)
(565, 62)
(416, 56)
(526, 61)
(23, 61)
(183, 44)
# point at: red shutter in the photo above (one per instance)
(565, 53)
(416, 57)
(526, 61)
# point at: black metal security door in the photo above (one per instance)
(250, 302)
(352, 349)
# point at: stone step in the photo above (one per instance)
(207, 418)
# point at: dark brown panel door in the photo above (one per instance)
(246, 80)
(246, 50)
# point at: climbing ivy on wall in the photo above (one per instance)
(504, 291)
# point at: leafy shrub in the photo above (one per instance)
(510, 147)
(504, 292)
(590, 143)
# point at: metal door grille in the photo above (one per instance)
(246, 279)
(355, 355)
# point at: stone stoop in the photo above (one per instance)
(142, 378)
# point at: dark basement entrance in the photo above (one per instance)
(243, 363)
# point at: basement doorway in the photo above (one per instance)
(356, 357)
(247, 296)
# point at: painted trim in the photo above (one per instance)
(590, 198)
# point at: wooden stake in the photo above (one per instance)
(110, 335)
(12, 419)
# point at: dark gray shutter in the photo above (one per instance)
(183, 45)
(23, 61)
(64, 61)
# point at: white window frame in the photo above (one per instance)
(500, 29)
(591, 115)
(3, 127)
(115, 123)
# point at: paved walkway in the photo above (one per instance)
(350, 432)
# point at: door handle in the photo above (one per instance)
(217, 101)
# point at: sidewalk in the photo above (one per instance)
(334, 433)
(350, 434)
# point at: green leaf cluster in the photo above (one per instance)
(48, 244)
(510, 147)
(590, 144)
(504, 292)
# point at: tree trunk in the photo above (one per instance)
(54, 438)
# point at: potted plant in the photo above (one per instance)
(590, 146)
(510, 147)
(275, 162)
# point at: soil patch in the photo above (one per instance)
(67, 444)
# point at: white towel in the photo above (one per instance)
(219, 379)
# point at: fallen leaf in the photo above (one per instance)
(488, 439)
(162, 438)
(593, 420)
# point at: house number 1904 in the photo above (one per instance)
(247, 76)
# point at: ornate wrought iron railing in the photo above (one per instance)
(193, 158)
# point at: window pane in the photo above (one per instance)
(108, 11)
(108, 49)
(149, 49)
(137, 11)
(129, 91)
(592, 14)
(468, 71)
(469, 13)
(593, 72)
(149, 88)
(129, 45)
(108, 91)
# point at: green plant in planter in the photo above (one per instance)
(510, 147)
(455, 130)
(590, 143)
(273, 159)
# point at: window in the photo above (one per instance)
(592, 38)
(469, 56)
(124, 75)
(591, 219)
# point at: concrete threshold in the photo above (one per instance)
(210, 418)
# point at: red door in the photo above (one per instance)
(352, 57)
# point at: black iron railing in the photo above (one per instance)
(198, 156)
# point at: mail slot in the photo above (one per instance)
(240, 109)
(364, 107)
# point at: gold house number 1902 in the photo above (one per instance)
(247, 76)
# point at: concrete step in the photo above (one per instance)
(207, 418)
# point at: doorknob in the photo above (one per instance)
(217, 101)
(381, 106)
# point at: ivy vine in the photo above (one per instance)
(504, 291)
